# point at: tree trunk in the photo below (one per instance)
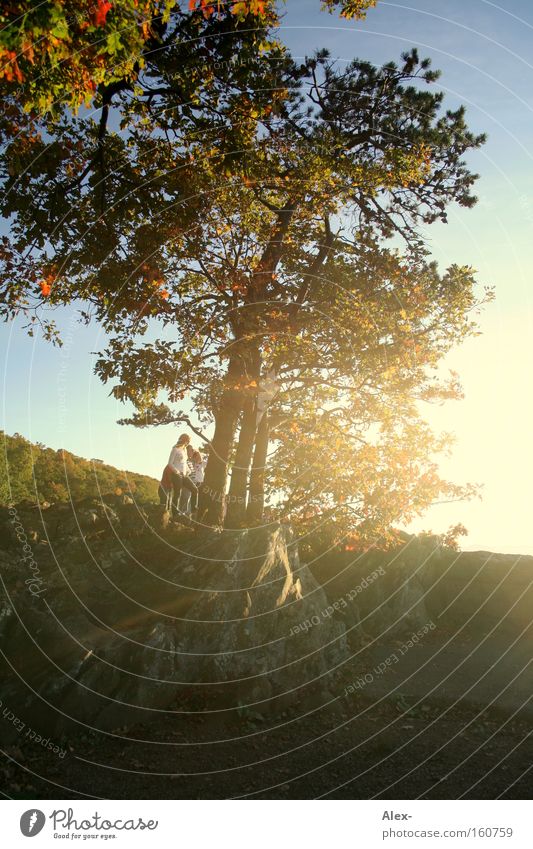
(236, 513)
(256, 501)
(212, 496)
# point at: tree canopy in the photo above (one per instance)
(59, 52)
(238, 223)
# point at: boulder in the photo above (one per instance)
(112, 626)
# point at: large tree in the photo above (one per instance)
(215, 213)
(254, 259)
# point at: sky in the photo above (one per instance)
(51, 395)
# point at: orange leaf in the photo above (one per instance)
(99, 12)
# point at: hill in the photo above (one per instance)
(31, 472)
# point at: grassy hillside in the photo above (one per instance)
(30, 471)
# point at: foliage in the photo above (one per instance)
(31, 472)
(350, 8)
(226, 220)
(350, 442)
(93, 186)
(130, 238)
(59, 52)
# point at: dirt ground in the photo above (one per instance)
(443, 721)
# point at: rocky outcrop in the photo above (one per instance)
(106, 619)
(393, 594)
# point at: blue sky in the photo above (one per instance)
(483, 49)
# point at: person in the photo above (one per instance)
(165, 490)
(185, 498)
(198, 464)
(196, 473)
(176, 473)
(167, 484)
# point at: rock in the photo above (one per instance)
(379, 595)
(397, 592)
(128, 623)
(260, 625)
(91, 518)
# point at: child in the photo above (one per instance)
(176, 473)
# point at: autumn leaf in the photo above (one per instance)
(205, 6)
(99, 12)
(9, 67)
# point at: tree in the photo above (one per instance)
(235, 266)
(259, 251)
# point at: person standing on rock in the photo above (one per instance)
(179, 474)
(198, 464)
(196, 467)
(165, 490)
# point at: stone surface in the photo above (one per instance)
(422, 582)
(107, 619)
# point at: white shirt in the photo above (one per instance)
(178, 460)
(198, 469)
